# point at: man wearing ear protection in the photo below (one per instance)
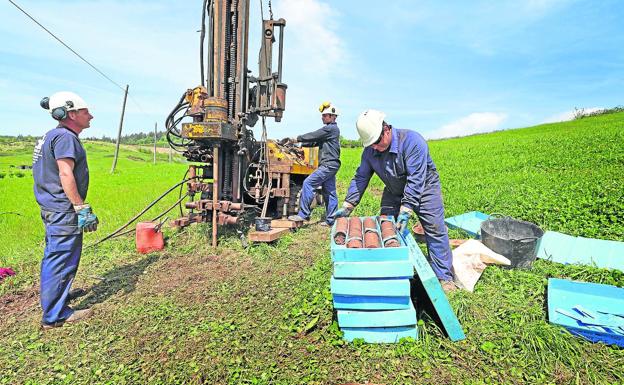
(327, 138)
(61, 179)
(412, 185)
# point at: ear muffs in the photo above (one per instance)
(58, 113)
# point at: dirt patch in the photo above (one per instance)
(15, 307)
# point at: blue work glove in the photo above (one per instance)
(402, 219)
(87, 221)
(345, 211)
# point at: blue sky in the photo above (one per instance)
(441, 68)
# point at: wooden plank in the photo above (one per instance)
(379, 319)
(267, 236)
(469, 222)
(389, 269)
(344, 254)
(366, 302)
(285, 223)
(371, 287)
(380, 335)
(434, 291)
(563, 248)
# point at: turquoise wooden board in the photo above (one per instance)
(563, 248)
(371, 287)
(380, 335)
(389, 269)
(340, 253)
(364, 302)
(382, 318)
(434, 291)
(343, 254)
(469, 222)
(566, 295)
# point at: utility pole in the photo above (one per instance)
(155, 130)
(170, 154)
(123, 111)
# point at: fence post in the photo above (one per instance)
(123, 111)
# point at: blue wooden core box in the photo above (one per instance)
(371, 292)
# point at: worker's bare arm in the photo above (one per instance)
(66, 174)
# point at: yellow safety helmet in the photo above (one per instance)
(328, 108)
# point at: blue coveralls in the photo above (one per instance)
(327, 139)
(63, 237)
(411, 180)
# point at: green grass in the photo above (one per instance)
(263, 315)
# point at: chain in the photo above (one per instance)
(270, 10)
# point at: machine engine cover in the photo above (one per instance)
(209, 130)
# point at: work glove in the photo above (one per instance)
(401, 222)
(87, 221)
(324, 105)
(345, 211)
(289, 140)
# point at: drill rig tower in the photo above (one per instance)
(234, 171)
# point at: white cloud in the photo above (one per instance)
(569, 115)
(474, 123)
(314, 39)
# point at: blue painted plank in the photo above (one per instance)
(434, 291)
(469, 222)
(343, 254)
(363, 302)
(383, 318)
(340, 253)
(371, 287)
(389, 269)
(380, 335)
(567, 249)
(597, 298)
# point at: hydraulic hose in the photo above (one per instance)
(153, 219)
(111, 235)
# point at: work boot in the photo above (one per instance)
(75, 293)
(296, 218)
(448, 286)
(78, 315)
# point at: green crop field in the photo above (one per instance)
(263, 314)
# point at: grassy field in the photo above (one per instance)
(263, 314)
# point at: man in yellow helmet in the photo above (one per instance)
(327, 138)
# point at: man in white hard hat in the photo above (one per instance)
(327, 138)
(401, 160)
(61, 180)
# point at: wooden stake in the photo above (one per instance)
(155, 129)
(123, 111)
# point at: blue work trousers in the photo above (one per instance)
(431, 216)
(324, 177)
(61, 256)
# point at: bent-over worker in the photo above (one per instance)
(401, 160)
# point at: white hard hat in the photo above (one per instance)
(69, 100)
(369, 126)
(328, 108)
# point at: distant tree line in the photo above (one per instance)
(139, 138)
(579, 113)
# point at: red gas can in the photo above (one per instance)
(149, 237)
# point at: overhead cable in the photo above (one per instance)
(68, 47)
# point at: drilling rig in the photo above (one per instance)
(234, 174)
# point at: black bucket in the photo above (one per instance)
(263, 223)
(516, 240)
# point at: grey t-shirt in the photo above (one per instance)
(58, 143)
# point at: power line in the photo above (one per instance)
(68, 47)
